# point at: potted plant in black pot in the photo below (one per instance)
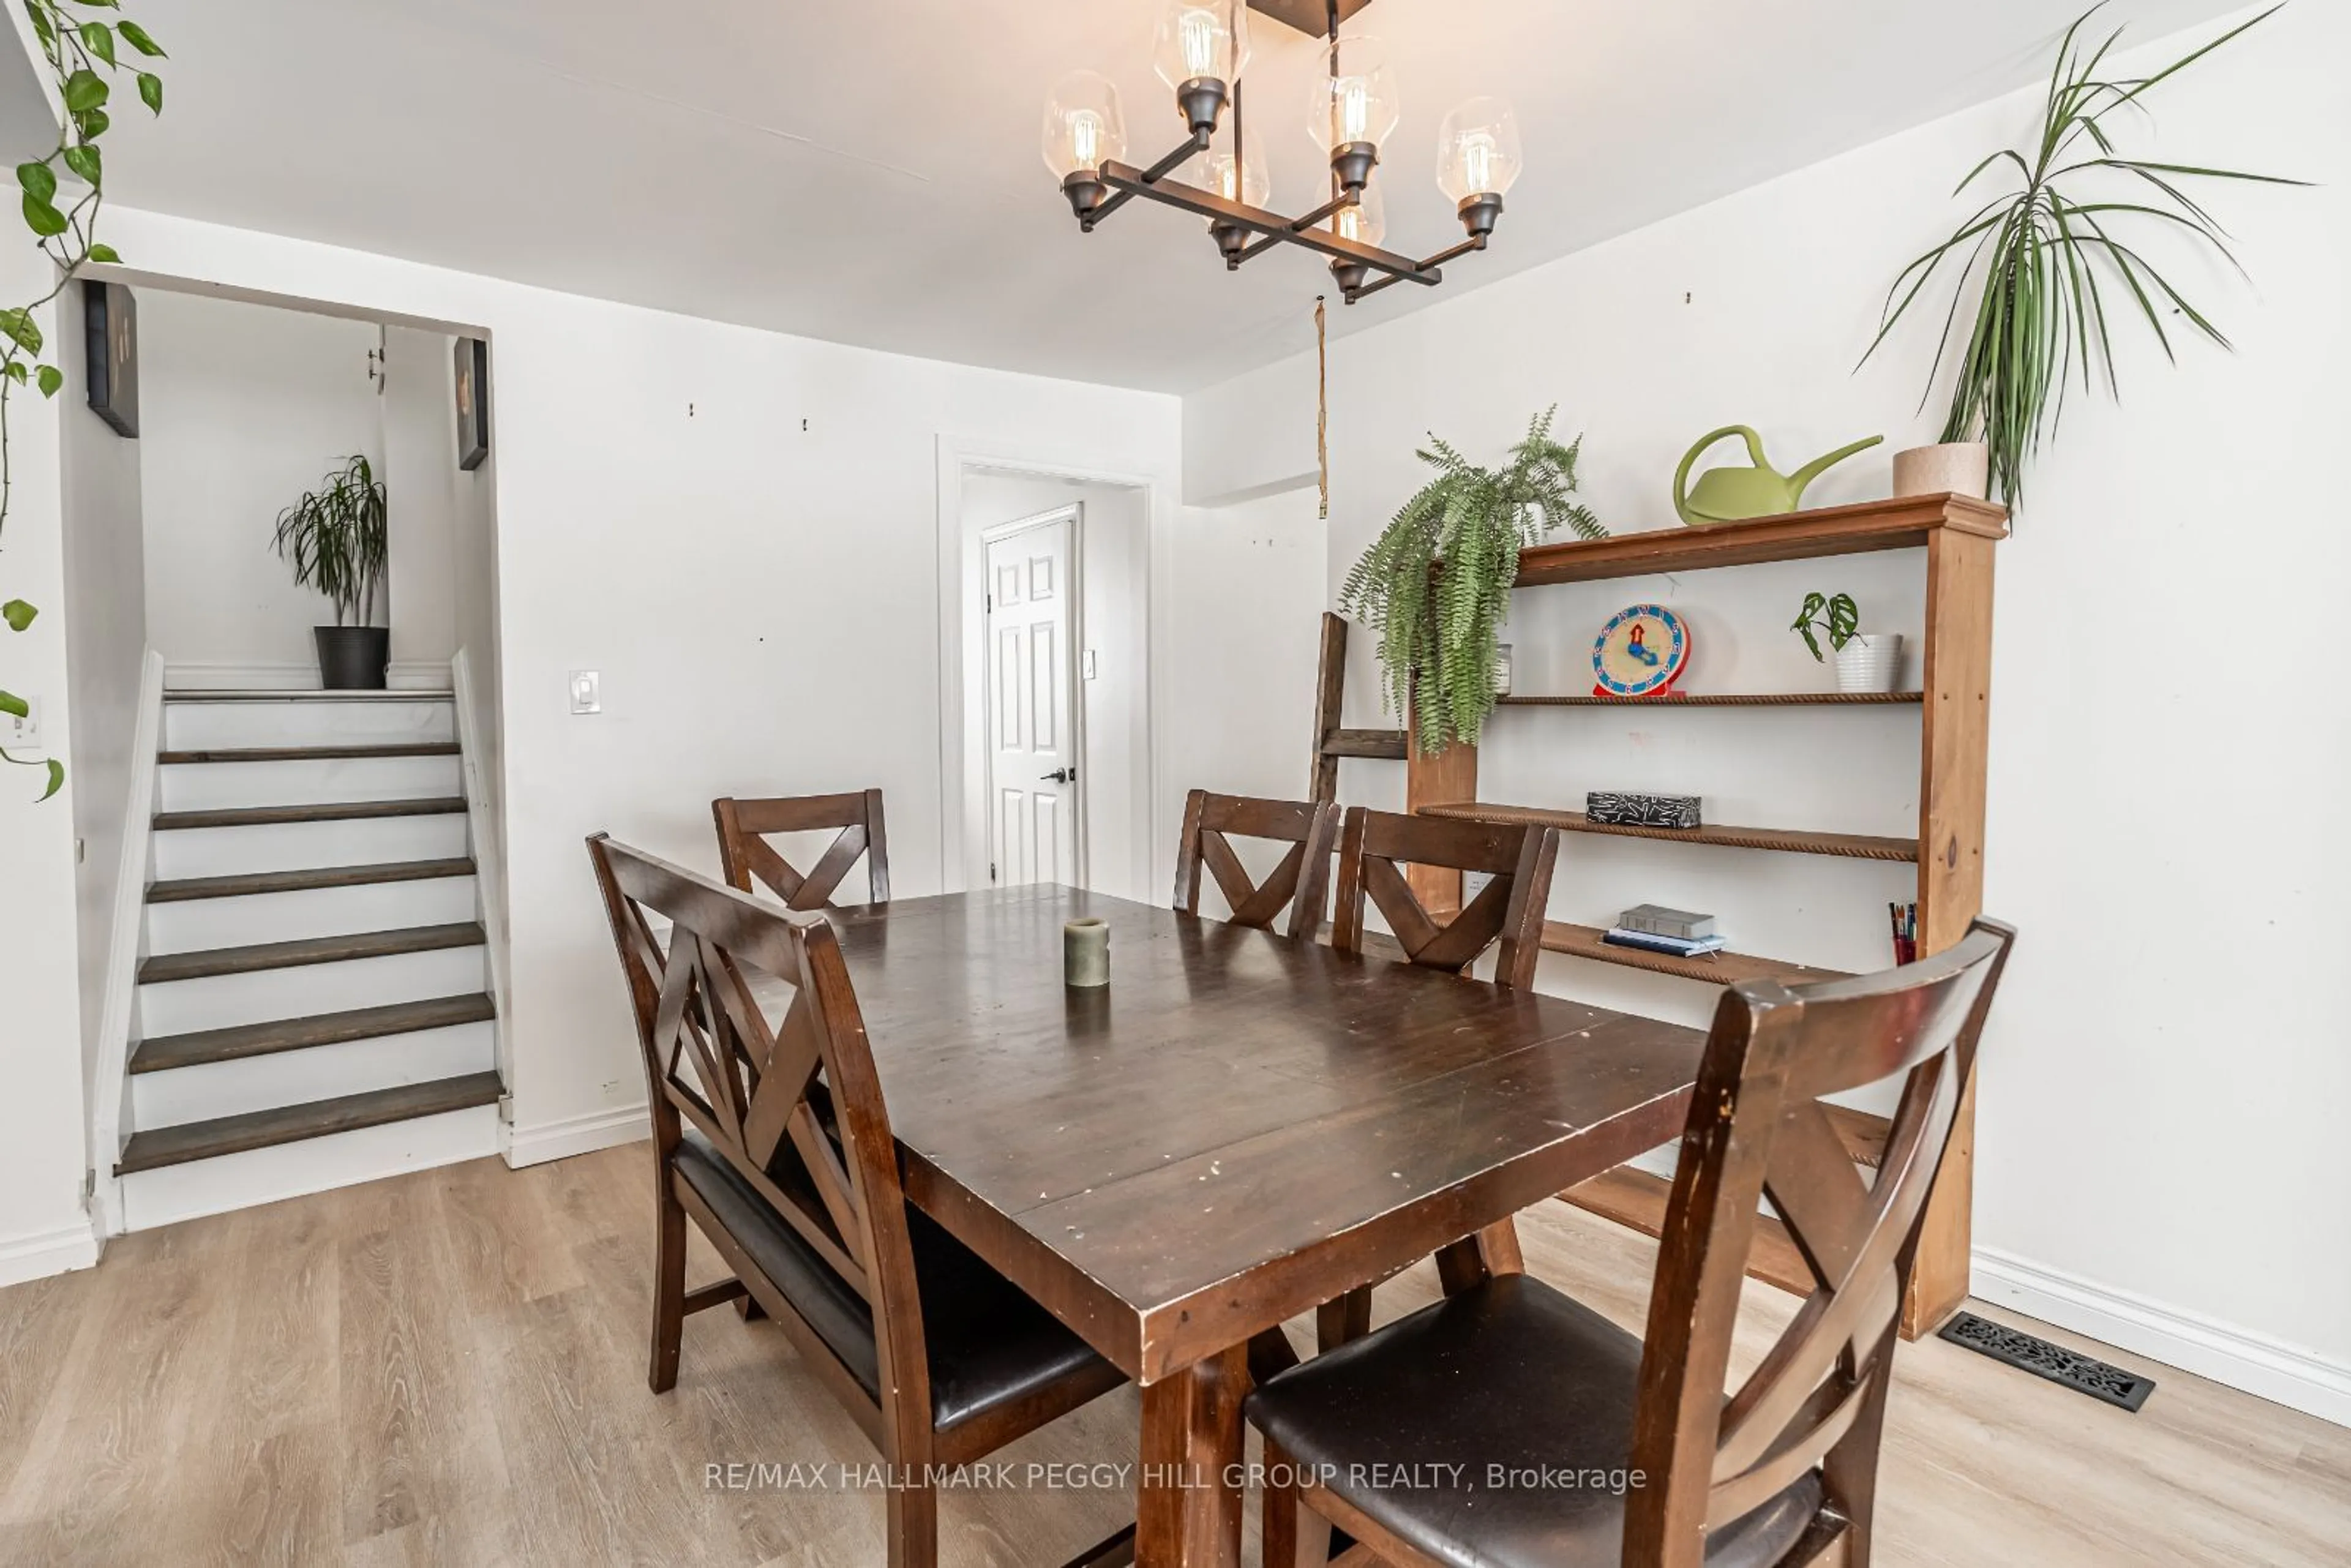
(336, 538)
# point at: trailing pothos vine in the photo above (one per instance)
(62, 195)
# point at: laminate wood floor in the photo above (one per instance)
(448, 1368)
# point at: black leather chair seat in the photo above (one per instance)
(1517, 1384)
(989, 1342)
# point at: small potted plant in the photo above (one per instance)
(336, 538)
(1866, 661)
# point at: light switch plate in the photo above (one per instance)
(22, 735)
(587, 692)
(1086, 664)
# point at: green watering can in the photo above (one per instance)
(1731, 495)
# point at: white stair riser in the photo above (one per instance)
(306, 781)
(226, 1182)
(203, 725)
(184, 852)
(214, 1089)
(266, 996)
(196, 924)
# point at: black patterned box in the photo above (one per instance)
(1619, 811)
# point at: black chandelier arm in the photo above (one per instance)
(1129, 180)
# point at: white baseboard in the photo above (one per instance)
(36, 1257)
(217, 677)
(573, 1135)
(417, 676)
(2267, 1368)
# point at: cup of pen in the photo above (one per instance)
(1085, 954)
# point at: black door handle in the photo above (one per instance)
(1061, 776)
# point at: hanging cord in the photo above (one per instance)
(1323, 406)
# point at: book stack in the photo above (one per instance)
(1656, 929)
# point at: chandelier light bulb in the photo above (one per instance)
(1366, 223)
(1251, 187)
(1355, 102)
(1083, 126)
(1202, 41)
(1477, 151)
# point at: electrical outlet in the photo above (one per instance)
(587, 692)
(23, 735)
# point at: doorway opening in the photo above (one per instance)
(1057, 713)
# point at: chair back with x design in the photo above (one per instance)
(793, 1103)
(1377, 845)
(745, 853)
(1757, 1132)
(1299, 882)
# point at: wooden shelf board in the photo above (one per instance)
(1863, 1133)
(1849, 846)
(1727, 699)
(1719, 968)
(1638, 1200)
(1904, 522)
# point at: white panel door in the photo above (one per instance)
(1033, 753)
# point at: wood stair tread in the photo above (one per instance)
(304, 695)
(248, 883)
(159, 1147)
(263, 816)
(311, 753)
(167, 967)
(167, 1051)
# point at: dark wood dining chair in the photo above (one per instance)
(1373, 847)
(1511, 1375)
(745, 853)
(1299, 882)
(771, 1135)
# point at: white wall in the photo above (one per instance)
(44, 1226)
(1246, 600)
(106, 639)
(423, 487)
(241, 409)
(2161, 1088)
(1115, 772)
(760, 598)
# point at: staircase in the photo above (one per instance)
(313, 1002)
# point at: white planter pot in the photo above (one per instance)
(1870, 662)
(1962, 467)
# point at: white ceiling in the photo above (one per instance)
(870, 172)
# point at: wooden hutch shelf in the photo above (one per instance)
(1720, 700)
(1906, 522)
(1724, 968)
(1958, 535)
(1849, 846)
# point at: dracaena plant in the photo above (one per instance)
(336, 539)
(2053, 263)
(1435, 584)
(81, 47)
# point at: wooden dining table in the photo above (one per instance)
(1237, 1129)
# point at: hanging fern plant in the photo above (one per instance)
(1435, 584)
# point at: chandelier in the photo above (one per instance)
(1201, 51)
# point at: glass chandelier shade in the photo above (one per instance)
(1355, 98)
(1202, 41)
(1252, 187)
(1083, 125)
(1477, 151)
